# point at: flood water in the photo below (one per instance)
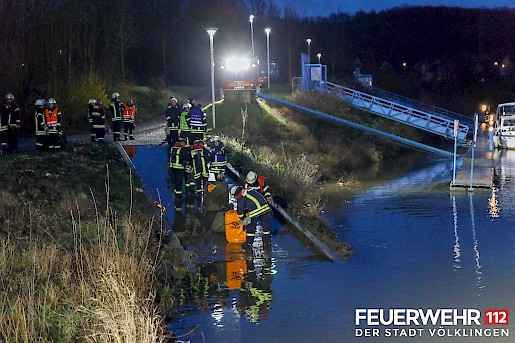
(416, 245)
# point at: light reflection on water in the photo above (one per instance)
(415, 246)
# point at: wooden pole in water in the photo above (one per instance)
(456, 128)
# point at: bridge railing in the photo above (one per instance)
(390, 109)
(423, 106)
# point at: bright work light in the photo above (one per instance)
(237, 63)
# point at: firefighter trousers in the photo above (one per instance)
(178, 181)
(264, 219)
(117, 129)
(128, 127)
(12, 140)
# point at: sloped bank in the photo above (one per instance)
(259, 141)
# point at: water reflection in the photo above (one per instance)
(476, 244)
(493, 204)
(240, 286)
(457, 249)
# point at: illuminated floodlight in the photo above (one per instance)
(237, 63)
(211, 31)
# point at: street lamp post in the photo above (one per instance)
(267, 31)
(211, 32)
(251, 20)
(309, 49)
(319, 55)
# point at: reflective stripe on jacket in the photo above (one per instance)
(183, 123)
(52, 117)
(179, 156)
(128, 113)
(254, 202)
(40, 122)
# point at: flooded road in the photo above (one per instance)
(415, 244)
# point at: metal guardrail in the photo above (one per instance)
(423, 106)
(398, 112)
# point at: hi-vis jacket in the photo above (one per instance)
(173, 116)
(196, 120)
(97, 117)
(254, 203)
(53, 118)
(200, 158)
(116, 110)
(183, 122)
(128, 113)
(218, 159)
(179, 156)
(12, 112)
(40, 121)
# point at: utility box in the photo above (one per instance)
(365, 80)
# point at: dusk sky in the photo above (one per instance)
(313, 8)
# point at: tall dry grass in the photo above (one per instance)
(97, 286)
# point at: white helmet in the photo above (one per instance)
(52, 101)
(40, 102)
(92, 101)
(115, 95)
(9, 96)
(216, 138)
(212, 177)
(187, 105)
(251, 177)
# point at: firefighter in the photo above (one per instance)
(200, 158)
(218, 157)
(98, 117)
(258, 182)
(4, 120)
(41, 126)
(180, 161)
(53, 121)
(116, 115)
(91, 105)
(251, 206)
(173, 116)
(13, 113)
(129, 112)
(184, 129)
(197, 122)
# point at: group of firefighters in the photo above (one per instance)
(193, 166)
(49, 135)
(48, 120)
(120, 113)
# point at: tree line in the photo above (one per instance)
(50, 47)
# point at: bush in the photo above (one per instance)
(74, 107)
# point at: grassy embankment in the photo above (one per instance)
(80, 251)
(299, 154)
